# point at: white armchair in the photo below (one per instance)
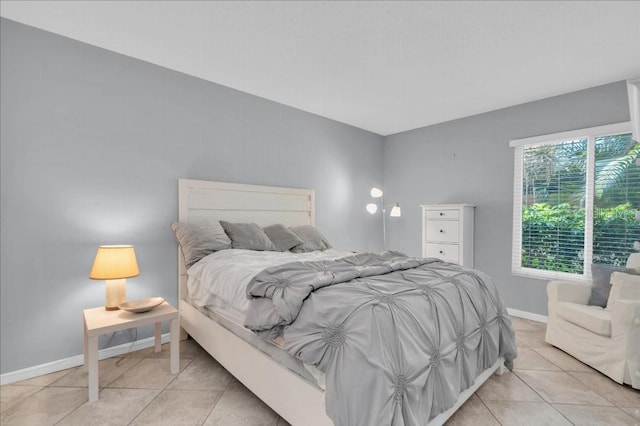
(606, 339)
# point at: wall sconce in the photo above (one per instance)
(114, 264)
(372, 208)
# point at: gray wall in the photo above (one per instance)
(92, 146)
(469, 161)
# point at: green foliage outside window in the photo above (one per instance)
(541, 223)
(554, 206)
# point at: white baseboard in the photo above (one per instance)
(76, 360)
(527, 315)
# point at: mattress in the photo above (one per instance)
(217, 284)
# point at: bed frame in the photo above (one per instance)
(293, 398)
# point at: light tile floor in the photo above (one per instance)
(547, 387)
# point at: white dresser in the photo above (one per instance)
(447, 232)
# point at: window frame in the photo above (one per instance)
(590, 134)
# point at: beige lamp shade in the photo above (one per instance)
(114, 262)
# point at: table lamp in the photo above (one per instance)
(114, 264)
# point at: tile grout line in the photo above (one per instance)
(600, 406)
(532, 389)
(615, 404)
(542, 355)
(214, 405)
(561, 413)
(161, 390)
(121, 374)
(219, 398)
(51, 385)
(84, 402)
(146, 406)
(571, 375)
(488, 409)
(26, 397)
(70, 412)
(529, 386)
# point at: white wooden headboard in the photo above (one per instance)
(200, 200)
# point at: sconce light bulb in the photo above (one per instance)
(376, 192)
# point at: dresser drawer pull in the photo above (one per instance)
(441, 214)
(441, 252)
(442, 231)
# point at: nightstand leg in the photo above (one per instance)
(92, 368)
(158, 337)
(174, 331)
(85, 343)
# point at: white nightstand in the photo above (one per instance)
(98, 321)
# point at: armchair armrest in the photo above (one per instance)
(625, 316)
(568, 291)
(624, 287)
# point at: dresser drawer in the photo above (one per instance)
(447, 252)
(442, 231)
(443, 214)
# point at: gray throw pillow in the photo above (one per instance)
(199, 240)
(281, 237)
(312, 239)
(248, 236)
(601, 277)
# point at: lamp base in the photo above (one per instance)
(115, 294)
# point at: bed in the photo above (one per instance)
(297, 399)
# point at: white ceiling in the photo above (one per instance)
(381, 66)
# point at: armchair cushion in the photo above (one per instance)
(601, 275)
(593, 318)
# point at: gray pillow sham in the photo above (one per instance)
(281, 237)
(248, 236)
(198, 240)
(601, 277)
(312, 239)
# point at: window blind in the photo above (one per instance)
(576, 201)
(616, 224)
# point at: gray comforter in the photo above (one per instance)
(398, 337)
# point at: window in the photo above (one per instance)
(576, 201)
